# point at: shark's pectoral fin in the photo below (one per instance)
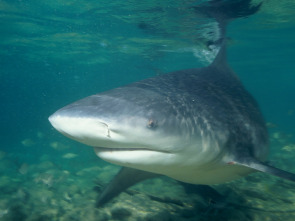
(262, 167)
(125, 178)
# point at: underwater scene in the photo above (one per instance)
(55, 52)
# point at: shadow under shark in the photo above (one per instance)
(197, 126)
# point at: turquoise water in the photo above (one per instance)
(55, 52)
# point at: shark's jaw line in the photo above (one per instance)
(146, 159)
(108, 149)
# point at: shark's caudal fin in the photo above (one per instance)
(262, 167)
(125, 178)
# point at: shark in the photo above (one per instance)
(197, 126)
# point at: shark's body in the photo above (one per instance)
(198, 126)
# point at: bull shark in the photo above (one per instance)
(198, 126)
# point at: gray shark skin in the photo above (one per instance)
(198, 126)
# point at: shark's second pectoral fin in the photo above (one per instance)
(263, 167)
(125, 178)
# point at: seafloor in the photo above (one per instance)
(47, 190)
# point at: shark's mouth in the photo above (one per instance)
(139, 158)
(108, 149)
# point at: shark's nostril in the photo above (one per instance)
(107, 127)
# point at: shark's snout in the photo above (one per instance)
(83, 129)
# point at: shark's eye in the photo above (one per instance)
(152, 124)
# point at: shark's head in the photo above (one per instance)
(129, 126)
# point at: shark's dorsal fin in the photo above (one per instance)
(125, 178)
(263, 167)
(220, 59)
(223, 12)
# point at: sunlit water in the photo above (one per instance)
(55, 52)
